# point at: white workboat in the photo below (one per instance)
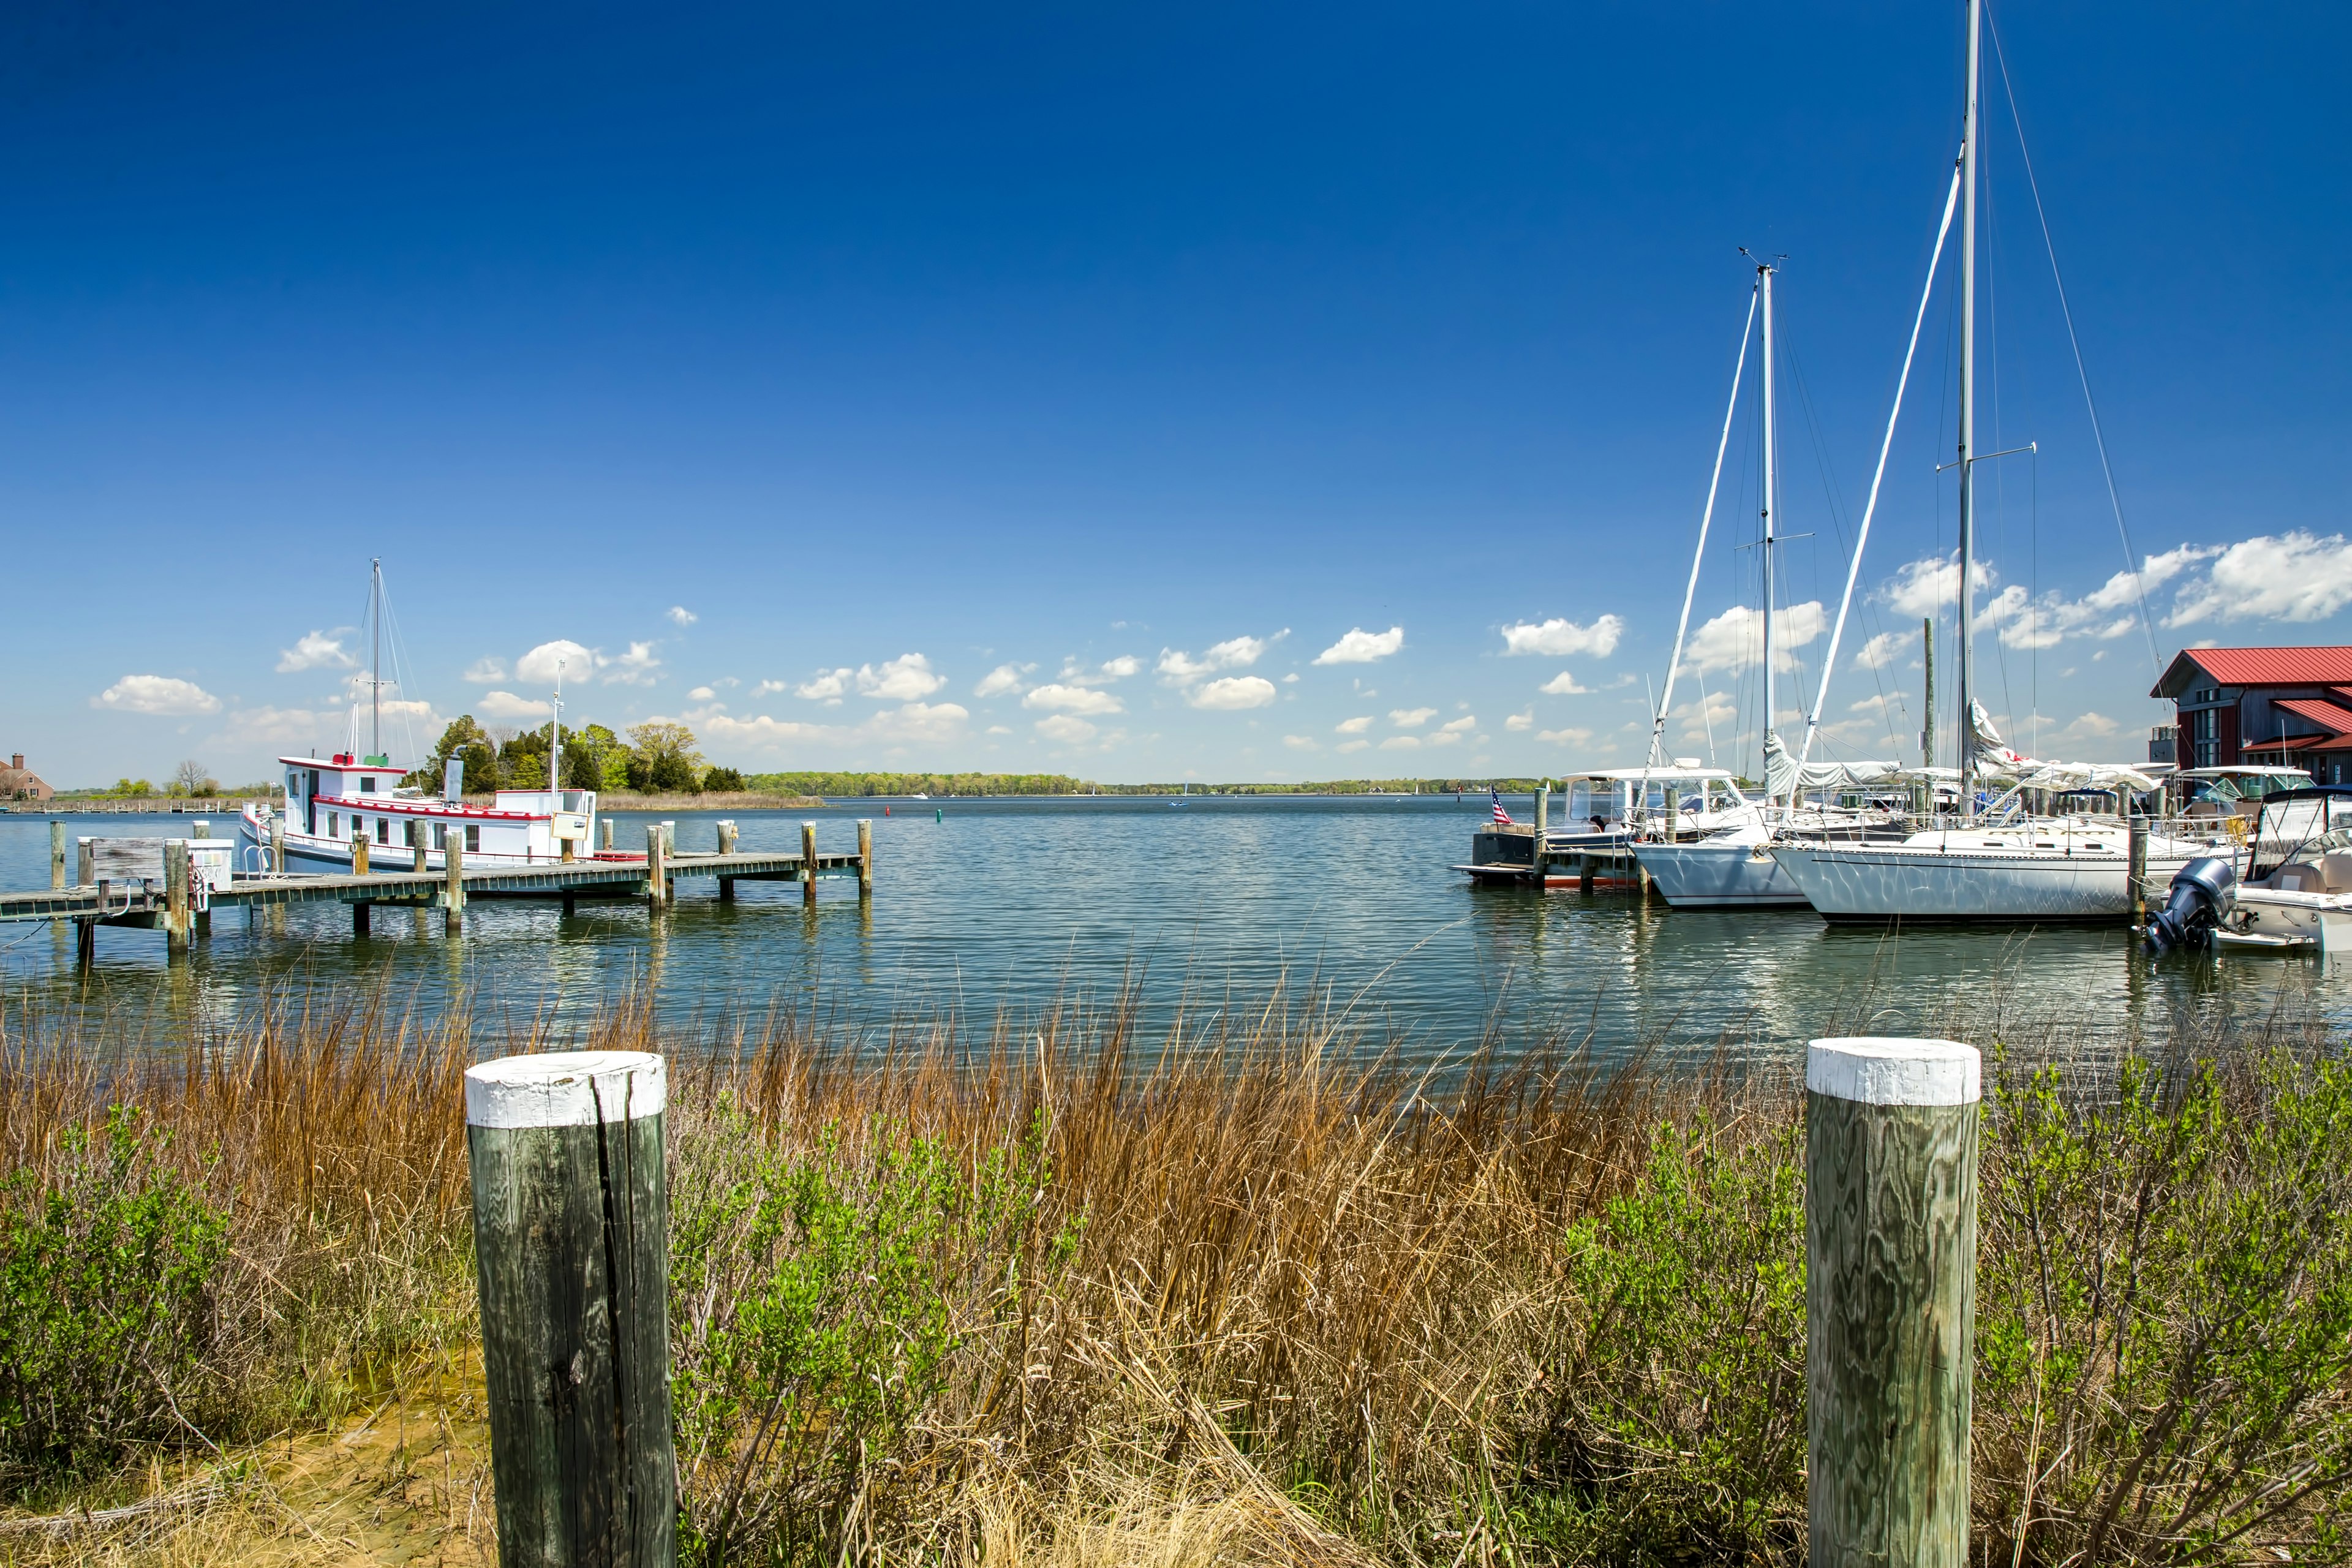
(335, 804)
(2037, 870)
(332, 801)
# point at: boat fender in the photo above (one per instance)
(2200, 898)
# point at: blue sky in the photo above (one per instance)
(1221, 392)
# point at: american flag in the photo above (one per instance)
(1502, 817)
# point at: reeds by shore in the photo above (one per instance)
(1245, 1288)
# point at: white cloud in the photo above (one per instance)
(1930, 585)
(1355, 726)
(1074, 673)
(162, 695)
(635, 667)
(314, 650)
(1402, 743)
(507, 705)
(2092, 726)
(485, 672)
(924, 722)
(1453, 732)
(1564, 737)
(1735, 639)
(1712, 708)
(539, 666)
(1353, 745)
(766, 687)
(1289, 678)
(1558, 639)
(826, 686)
(1233, 693)
(910, 724)
(1000, 729)
(1003, 680)
(1563, 685)
(682, 615)
(1883, 649)
(1065, 729)
(1072, 700)
(2291, 577)
(1360, 647)
(1233, 653)
(1302, 742)
(702, 694)
(902, 679)
(1522, 720)
(1411, 718)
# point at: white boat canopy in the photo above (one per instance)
(1784, 776)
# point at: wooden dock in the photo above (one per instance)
(182, 907)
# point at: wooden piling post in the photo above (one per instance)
(360, 912)
(2136, 867)
(85, 942)
(865, 857)
(1890, 1299)
(85, 863)
(177, 922)
(808, 862)
(360, 853)
(571, 1242)
(1543, 833)
(278, 846)
(422, 869)
(656, 865)
(453, 880)
(604, 830)
(56, 853)
(727, 836)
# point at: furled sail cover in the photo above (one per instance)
(1995, 759)
(1783, 777)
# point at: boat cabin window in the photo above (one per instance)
(367, 783)
(473, 838)
(334, 824)
(440, 835)
(383, 830)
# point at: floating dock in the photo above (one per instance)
(1510, 857)
(182, 904)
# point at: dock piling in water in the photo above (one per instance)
(605, 830)
(570, 1242)
(808, 862)
(56, 854)
(1890, 1298)
(657, 867)
(177, 922)
(865, 858)
(453, 872)
(360, 853)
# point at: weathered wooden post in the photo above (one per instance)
(453, 880)
(1543, 831)
(422, 869)
(56, 853)
(2136, 867)
(85, 862)
(657, 867)
(604, 830)
(808, 862)
(278, 847)
(1890, 1299)
(177, 921)
(360, 853)
(865, 857)
(571, 1244)
(727, 836)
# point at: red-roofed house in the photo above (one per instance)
(2291, 706)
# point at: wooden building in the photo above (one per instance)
(19, 782)
(2286, 706)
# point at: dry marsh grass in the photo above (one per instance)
(1248, 1288)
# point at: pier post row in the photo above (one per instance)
(1890, 1299)
(572, 1244)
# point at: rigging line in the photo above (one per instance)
(1837, 497)
(1706, 516)
(2099, 436)
(1854, 569)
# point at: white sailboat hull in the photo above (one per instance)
(1914, 883)
(1718, 876)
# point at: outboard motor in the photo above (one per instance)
(2200, 898)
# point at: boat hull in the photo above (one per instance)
(1861, 883)
(1719, 876)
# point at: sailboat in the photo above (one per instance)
(349, 794)
(2002, 863)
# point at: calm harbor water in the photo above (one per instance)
(1008, 904)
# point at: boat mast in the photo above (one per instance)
(1771, 500)
(1968, 418)
(375, 671)
(555, 731)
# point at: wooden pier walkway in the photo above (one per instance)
(183, 906)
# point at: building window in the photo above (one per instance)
(383, 830)
(473, 838)
(334, 824)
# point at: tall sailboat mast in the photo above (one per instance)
(1772, 503)
(1968, 417)
(376, 660)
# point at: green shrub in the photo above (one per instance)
(1678, 1426)
(817, 1297)
(107, 1269)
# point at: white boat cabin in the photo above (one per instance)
(332, 800)
(1616, 799)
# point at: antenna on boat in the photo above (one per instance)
(375, 671)
(555, 732)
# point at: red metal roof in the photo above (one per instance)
(2300, 743)
(2329, 716)
(2256, 666)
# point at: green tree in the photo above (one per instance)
(595, 758)
(664, 758)
(462, 738)
(724, 779)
